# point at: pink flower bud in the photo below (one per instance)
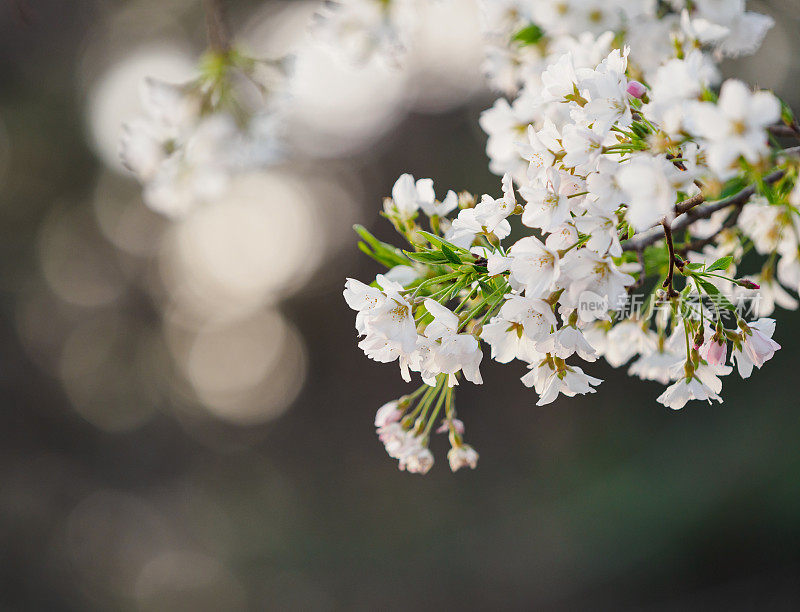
(388, 413)
(714, 352)
(747, 284)
(458, 426)
(636, 89)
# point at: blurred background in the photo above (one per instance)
(186, 420)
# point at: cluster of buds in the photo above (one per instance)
(404, 429)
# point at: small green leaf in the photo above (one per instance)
(452, 257)
(425, 257)
(432, 238)
(724, 303)
(723, 263)
(694, 266)
(709, 288)
(438, 241)
(713, 292)
(708, 95)
(455, 290)
(732, 187)
(529, 35)
(787, 116)
(656, 258)
(365, 234)
(381, 251)
(639, 129)
(381, 259)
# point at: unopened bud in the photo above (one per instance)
(747, 284)
(636, 89)
(573, 318)
(466, 200)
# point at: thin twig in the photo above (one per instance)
(785, 130)
(219, 39)
(687, 205)
(791, 151)
(672, 261)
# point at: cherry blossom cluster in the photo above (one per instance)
(524, 36)
(362, 29)
(625, 171)
(193, 137)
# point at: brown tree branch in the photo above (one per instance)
(785, 130)
(687, 205)
(671, 293)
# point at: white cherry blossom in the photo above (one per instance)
(756, 346)
(534, 266)
(734, 126)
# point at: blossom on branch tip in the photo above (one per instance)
(678, 394)
(735, 126)
(550, 380)
(462, 456)
(755, 346)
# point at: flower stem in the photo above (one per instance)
(219, 40)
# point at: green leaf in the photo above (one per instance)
(732, 187)
(438, 241)
(723, 263)
(425, 257)
(709, 288)
(787, 116)
(656, 258)
(529, 35)
(708, 95)
(380, 258)
(385, 253)
(694, 266)
(452, 257)
(432, 238)
(455, 290)
(713, 292)
(365, 234)
(640, 129)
